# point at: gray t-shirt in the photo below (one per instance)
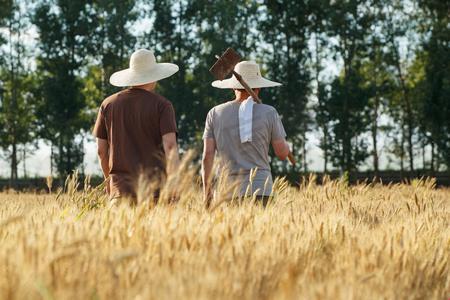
(222, 125)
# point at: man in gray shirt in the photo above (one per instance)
(223, 133)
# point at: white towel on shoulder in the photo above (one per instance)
(246, 120)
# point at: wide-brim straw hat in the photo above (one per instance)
(143, 69)
(250, 72)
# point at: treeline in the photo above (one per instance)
(392, 59)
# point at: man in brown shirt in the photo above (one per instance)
(136, 128)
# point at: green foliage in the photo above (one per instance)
(347, 109)
(285, 26)
(347, 104)
(171, 39)
(436, 82)
(5, 13)
(16, 101)
(17, 118)
(65, 29)
(113, 38)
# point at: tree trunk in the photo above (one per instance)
(13, 106)
(344, 121)
(409, 126)
(402, 150)
(437, 160)
(432, 157)
(406, 99)
(424, 163)
(325, 162)
(14, 163)
(375, 129)
(376, 107)
(24, 158)
(69, 167)
(374, 136)
(347, 144)
(51, 160)
(305, 164)
(60, 165)
(322, 123)
(346, 138)
(104, 79)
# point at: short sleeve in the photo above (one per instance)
(209, 129)
(167, 122)
(278, 131)
(100, 131)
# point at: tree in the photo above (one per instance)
(5, 13)
(17, 109)
(113, 38)
(350, 23)
(398, 24)
(377, 76)
(172, 39)
(436, 96)
(319, 19)
(347, 108)
(65, 28)
(113, 42)
(284, 26)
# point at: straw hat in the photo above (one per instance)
(143, 69)
(249, 70)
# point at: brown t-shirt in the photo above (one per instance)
(134, 121)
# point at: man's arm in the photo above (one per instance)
(281, 148)
(171, 151)
(103, 155)
(209, 151)
(278, 136)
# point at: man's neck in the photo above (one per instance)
(140, 88)
(150, 87)
(243, 95)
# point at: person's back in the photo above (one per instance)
(241, 132)
(134, 121)
(241, 158)
(136, 128)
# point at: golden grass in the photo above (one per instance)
(316, 242)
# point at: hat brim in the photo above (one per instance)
(130, 77)
(233, 83)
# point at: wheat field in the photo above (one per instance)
(330, 241)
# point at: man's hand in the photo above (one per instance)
(108, 185)
(207, 197)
